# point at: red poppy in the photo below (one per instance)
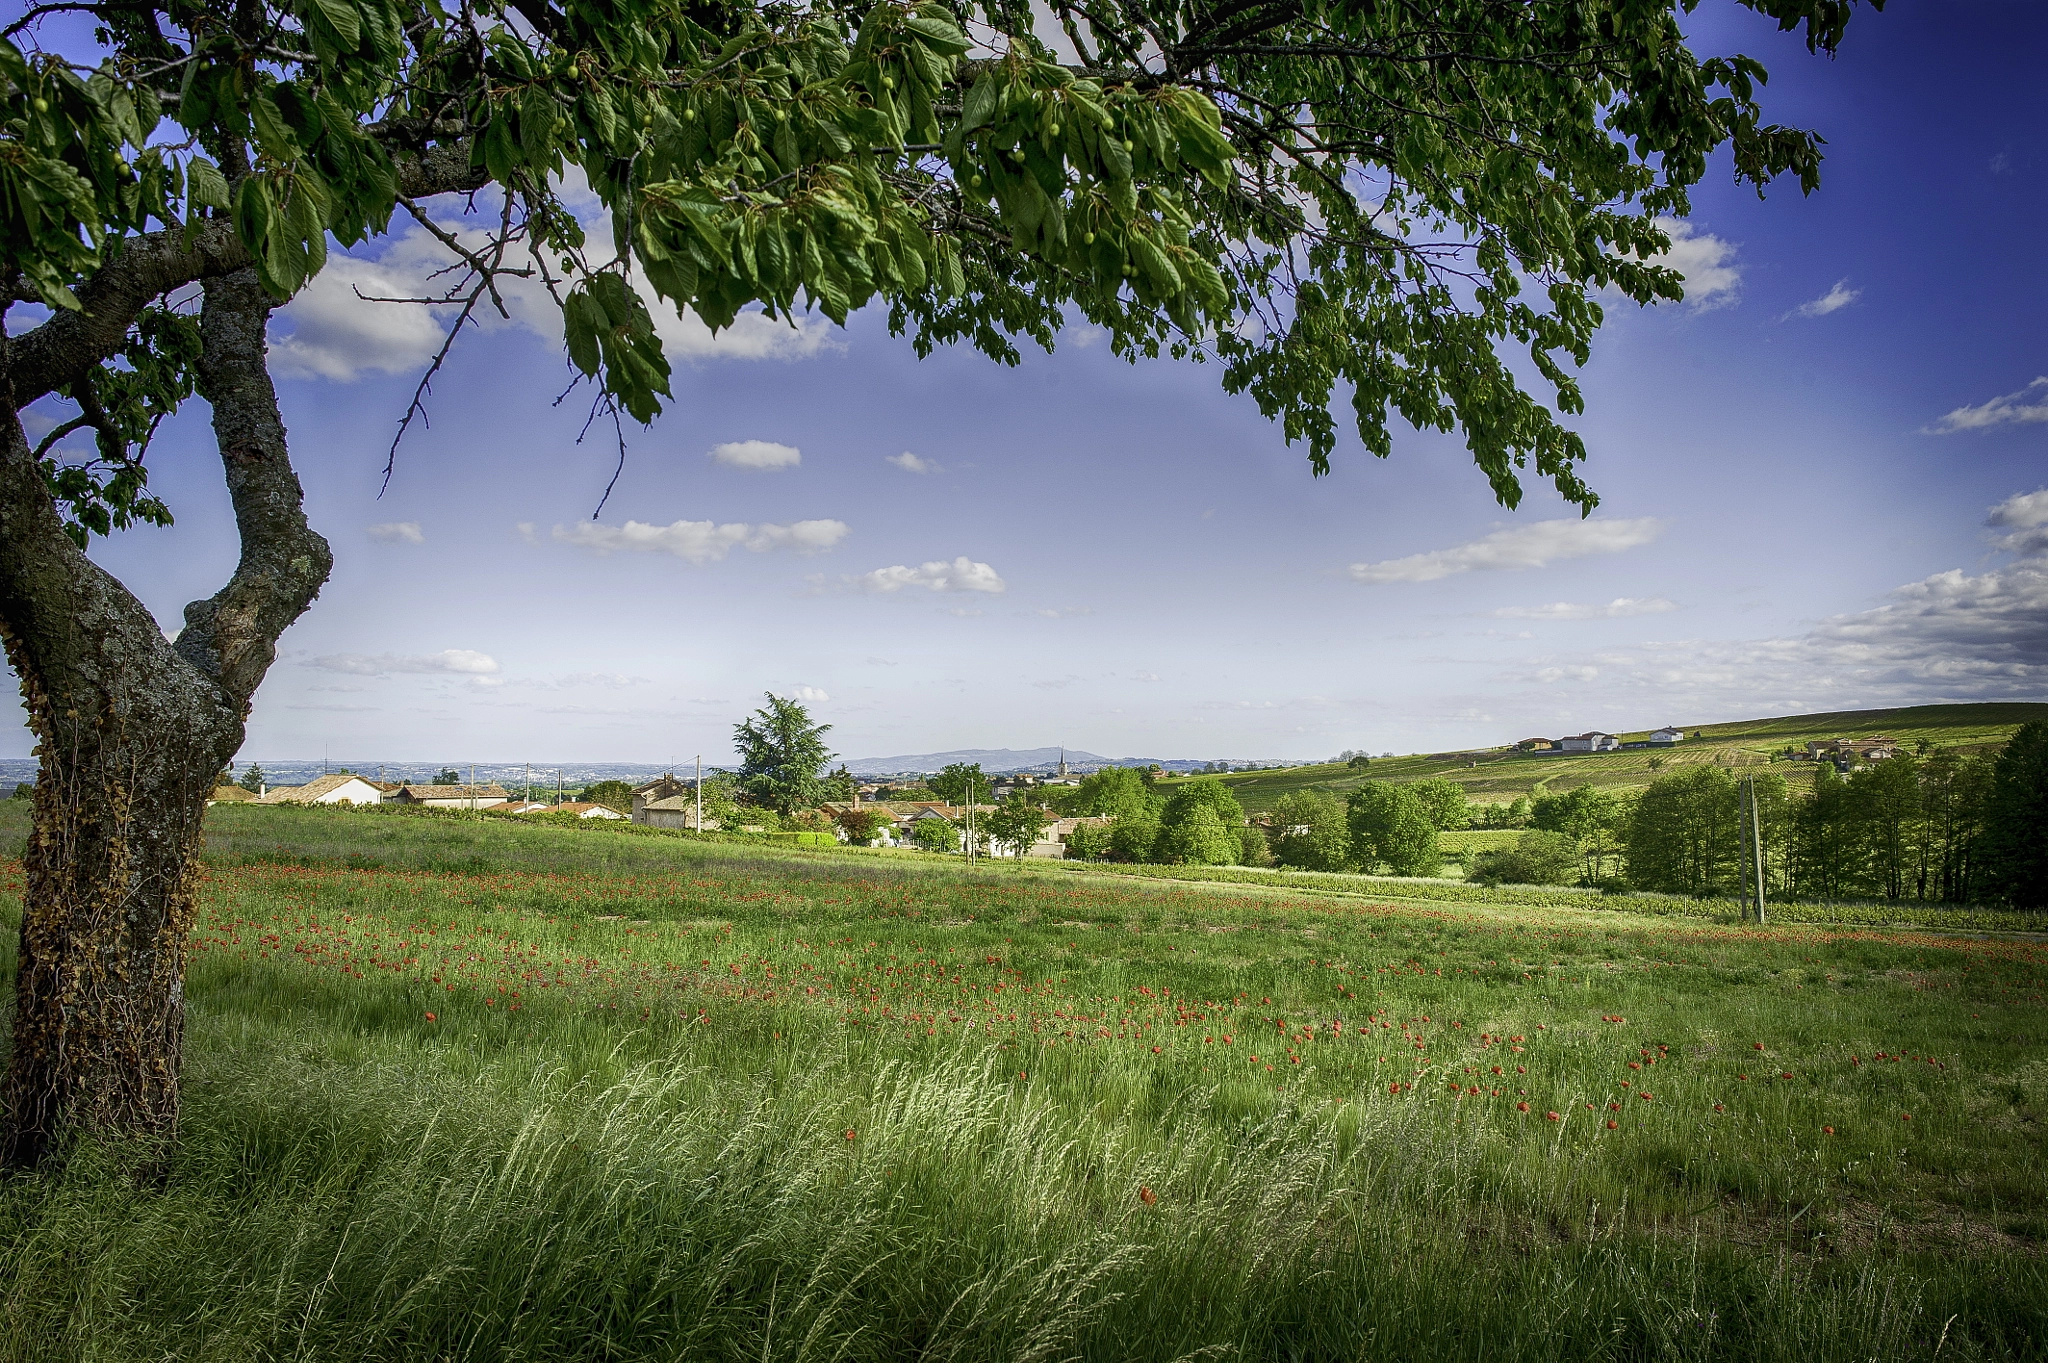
(849, 1133)
(1612, 1124)
(1759, 1045)
(1552, 1116)
(1827, 1131)
(1147, 1196)
(1521, 1107)
(1718, 1108)
(1644, 1096)
(430, 1017)
(1614, 1107)
(1155, 1050)
(1905, 1116)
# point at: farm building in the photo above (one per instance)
(1667, 735)
(481, 796)
(341, 788)
(1593, 741)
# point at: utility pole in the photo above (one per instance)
(700, 792)
(1754, 836)
(472, 794)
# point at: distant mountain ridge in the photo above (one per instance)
(1038, 761)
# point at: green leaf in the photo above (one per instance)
(342, 17)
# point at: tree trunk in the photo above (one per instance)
(131, 732)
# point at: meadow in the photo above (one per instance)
(474, 1090)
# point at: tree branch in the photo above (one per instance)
(231, 637)
(151, 264)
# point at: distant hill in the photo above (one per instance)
(1008, 760)
(1499, 775)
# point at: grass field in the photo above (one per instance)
(1498, 776)
(471, 1091)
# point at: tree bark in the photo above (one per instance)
(132, 732)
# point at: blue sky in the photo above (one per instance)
(1797, 469)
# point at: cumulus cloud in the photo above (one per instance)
(812, 694)
(911, 463)
(702, 541)
(1952, 636)
(1620, 607)
(760, 455)
(396, 532)
(2028, 405)
(963, 574)
(2025, 515)
(1706, 262)
(1834, 300)
(332, 329)
(1516, 547)
(460, 661)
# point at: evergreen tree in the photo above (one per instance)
(253, 778)
(781, 753)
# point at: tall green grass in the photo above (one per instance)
(655, 1162)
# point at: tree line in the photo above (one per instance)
(1935, 826)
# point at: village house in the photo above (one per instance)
(1535, 745)
(1667, 734)
(341, 788)
(665, 787)
(1592, 741)
(481, 796)
(670, 811)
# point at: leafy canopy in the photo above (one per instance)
(1395, 204)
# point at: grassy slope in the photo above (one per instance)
(693, 1100)
(1497, 776)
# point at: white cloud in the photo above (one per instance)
(2025, 514)
(702, 541)
(2009, 409)
(760, 455)
(1145, 676)
(1516, 547)
(1954, 636)
(396, 532)
(1704, 260)
(462, 661)
(911, 463)
(963, 574)
(337, 333)
(1834, 300)
(331, 330)
(1619, 607)
(812, 694)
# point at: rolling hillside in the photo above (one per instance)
(1498, 775)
